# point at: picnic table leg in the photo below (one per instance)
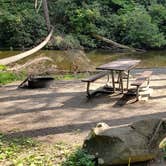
(137, 93)
(128, 72)
(121, 80)
(118, 80)
(113, 80)
(87, 90)
(108, 80)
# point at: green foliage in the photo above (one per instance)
(7, 77)
(10, 147)
(158, 14)
(20, 25)
(79, 158)
(19, 151)
(66, 42)
(162, 146)
(82, 20)
(138, 23)
(141, 31)
(3, 67)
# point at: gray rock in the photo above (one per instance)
(117, 145)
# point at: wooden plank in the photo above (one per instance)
(139, 81)
(145, 74)
(95, 77)
(142, 78)
(128, 73)
(113, 80)
(120, 65)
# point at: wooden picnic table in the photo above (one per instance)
(120, 66)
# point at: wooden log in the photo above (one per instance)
(115, 44)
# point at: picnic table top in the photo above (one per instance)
(120, 65)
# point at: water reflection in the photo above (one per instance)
(97, 57)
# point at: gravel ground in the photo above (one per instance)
(63, 113)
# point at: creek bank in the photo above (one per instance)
(75, 61)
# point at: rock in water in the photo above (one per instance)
(116, 145)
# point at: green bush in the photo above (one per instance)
(158, 14)
(66, 42)
(3, 67)
(139, 23)
(7, 77)
(141, 31)
(20, 25)
(79, 158)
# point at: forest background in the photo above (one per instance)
(136, 23)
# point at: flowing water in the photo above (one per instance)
(150, 59)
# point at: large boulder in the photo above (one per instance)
(117, 145)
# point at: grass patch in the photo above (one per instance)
(28, 152)
(8, 77)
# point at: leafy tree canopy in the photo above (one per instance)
(138, 23)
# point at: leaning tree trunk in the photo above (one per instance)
(6, 61)
(46, 15)
(115, 44)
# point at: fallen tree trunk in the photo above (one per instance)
(115, 44)
(20, 56)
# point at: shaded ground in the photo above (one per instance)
(63, 113)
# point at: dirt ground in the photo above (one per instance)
(63, 113)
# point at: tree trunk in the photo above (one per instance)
(113, 43)
(46, 15)
(6, 61)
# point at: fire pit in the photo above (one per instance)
(36, 82)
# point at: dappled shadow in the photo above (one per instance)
(23, 111)
(51, 101)
(84, 102)
(64, 109)
(158, 79)
(82, 126)
(125, 99)
(73, 99)
(158, 87)
(34, 96)
(158, 97)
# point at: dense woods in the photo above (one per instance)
(136, 23)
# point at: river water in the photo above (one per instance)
(150, 59)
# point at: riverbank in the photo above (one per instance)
(64, 59)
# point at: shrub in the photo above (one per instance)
(158, 14)
(79, 158)
(141, 31)
(7, 77)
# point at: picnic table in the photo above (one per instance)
(119, 66)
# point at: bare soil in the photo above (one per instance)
(62, 112)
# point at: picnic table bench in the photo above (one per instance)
(140, 79)
(93, 78)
